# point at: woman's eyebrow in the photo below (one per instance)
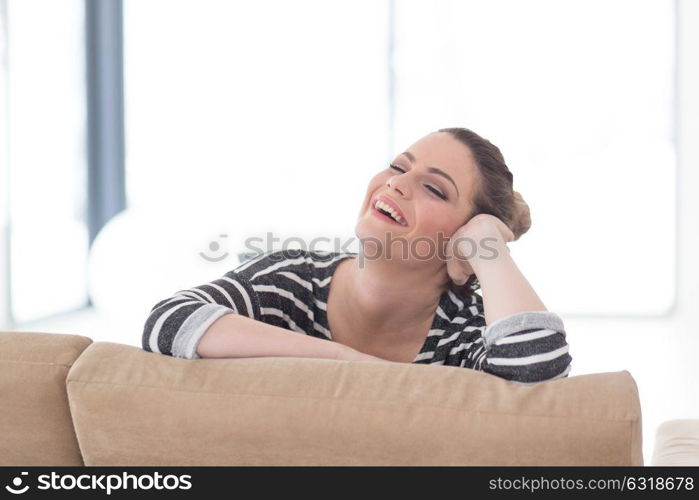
(433, 170)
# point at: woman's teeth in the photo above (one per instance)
(387, 208)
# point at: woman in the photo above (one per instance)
(434, 227)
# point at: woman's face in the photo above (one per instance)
(431, 184)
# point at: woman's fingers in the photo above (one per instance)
(507, 233)
(503, 229)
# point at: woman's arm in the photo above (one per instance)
(236, 336)
(480, 247)
(504, 288)
(521, 340)
(227, 318)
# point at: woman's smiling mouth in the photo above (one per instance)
(387, 210)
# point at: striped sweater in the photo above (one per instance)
(289, 288)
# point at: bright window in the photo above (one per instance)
(47, 157)
(269, 115)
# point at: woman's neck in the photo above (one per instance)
(390, 297)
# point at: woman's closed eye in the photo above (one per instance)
(431, 188)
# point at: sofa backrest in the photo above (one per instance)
(36, 428)
(132, 407)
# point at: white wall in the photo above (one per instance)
(661, 354)
(4, 189)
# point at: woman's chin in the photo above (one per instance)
(374, 228)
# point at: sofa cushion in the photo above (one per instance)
(132, 407)
(676, 443)
(35, 422)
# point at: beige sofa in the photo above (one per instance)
(66, 400)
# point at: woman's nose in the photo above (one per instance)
(398, 184)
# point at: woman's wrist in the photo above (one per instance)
(347, 353)
(340, 351)
(496, 255)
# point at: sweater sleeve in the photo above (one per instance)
(176, 324)
(526, 347)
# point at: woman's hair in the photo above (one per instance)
(493, 192)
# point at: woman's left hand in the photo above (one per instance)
(466, 244)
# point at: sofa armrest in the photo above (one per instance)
(132, 407)
(36, 428)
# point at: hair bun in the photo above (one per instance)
(522, 221)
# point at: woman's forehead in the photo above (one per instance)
(443, 151)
